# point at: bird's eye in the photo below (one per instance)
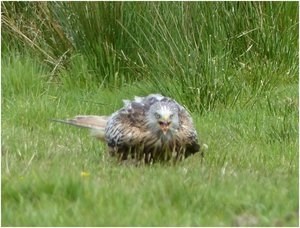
(157, 116)
(171, 116)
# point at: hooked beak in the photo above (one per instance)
(164, 126)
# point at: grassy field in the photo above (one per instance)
(240, 84)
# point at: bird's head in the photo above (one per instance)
(163, 118)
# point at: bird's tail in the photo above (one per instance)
(96, 124)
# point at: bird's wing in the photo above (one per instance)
(127, 126)
(96, 124)
(187, 134)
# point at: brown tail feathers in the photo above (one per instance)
(96, 124)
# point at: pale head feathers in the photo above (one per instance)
(162, 118)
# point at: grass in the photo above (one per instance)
(250, 169)
(193, 43)
(245, 109)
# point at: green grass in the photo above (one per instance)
(244, 104)
(250, 167)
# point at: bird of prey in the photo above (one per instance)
(148, 129)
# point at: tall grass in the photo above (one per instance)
(30, 26)
(206, 48)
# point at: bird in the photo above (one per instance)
(149, 129)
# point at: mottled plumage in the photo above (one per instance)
(149, 129)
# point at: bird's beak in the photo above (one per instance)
(164, 126)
